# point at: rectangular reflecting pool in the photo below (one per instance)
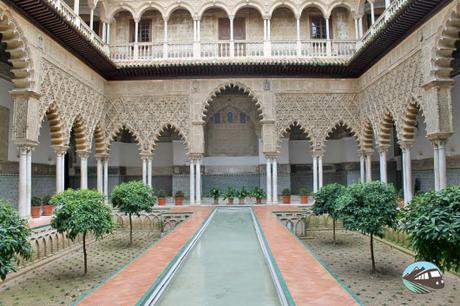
(225, 267)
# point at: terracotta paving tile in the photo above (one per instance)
(128, 286)
(308, 281)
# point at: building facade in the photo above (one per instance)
(189, 95)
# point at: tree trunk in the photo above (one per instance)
(84, 253)
(372, 254)
(333, 229)
(130, 230)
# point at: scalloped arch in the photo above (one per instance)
(175, 128)
(354, 132)
(18, 48)
(294, 123)
(222, 87)
(447, 37)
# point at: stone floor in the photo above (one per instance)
(350, 260)
(61, 282)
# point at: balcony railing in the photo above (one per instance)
(227, 49)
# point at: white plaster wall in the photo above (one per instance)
(336, 151)
(453, 145)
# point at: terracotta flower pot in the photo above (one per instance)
(36, 211)
(258, 201)
(241, 201)
(178, 200)
(230, 201)
(161, 201)
(286, 199)
(47, 210)
(303, 199)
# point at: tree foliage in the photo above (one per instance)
(133, 198)
(14, 238)
(368, 208)
(81, 212)
(432, 221)
(326, 202)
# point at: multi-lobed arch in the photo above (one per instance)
(288, 127)
(18, 48)
(354, 131)
(229, 85)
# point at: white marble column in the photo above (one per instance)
(198, 181)
(368, 167)
(372, 11)
(108, 33)
(144, 170)
(99, 175)
(442, 164)
(315, 174)
(83, 170)
(91, 18)
(106, 179)
(104, 32)
(356, 28)
(76, 7)
(362, 168)
(383, 166)
(60, 163)
(320, 172)
(407, 165)
(275, 180)
(360, 26)
(165, 39)
(232, 40)
(436, 165)
(269, 180)
(29, 176)
(299, 43)
(328, 34)
(192, 181)
(23, 204)
(149, 172)
(267, 37)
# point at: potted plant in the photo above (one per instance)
(215, 193)
(179, 197)
(286, 193)
(161, 198)
(259, 194)
(230, 194)
(303, 195)
(47, 206)
(242, 194)
(36, 207)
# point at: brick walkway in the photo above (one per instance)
(128, 286)
(308, 281)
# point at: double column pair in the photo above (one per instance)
(272, 179)
(195, 179)
(102, 164)
(317, 170)
(147, 169)
(365, 166)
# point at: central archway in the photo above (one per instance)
(233, 140)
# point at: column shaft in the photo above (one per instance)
(144, 170)
(165, 40)
(76, 7)
(383, 167)
(29, 177)
(372, 12)
(408, 175)
(106, 179)
(368, 168)
(442, 165)
(198, 181)
(362, 168)
(269, 180)
(275, 181)
(23, 205)
(315, 174)
(91, 19)
(328, 34)
(149, 172)
(192, 181)
(356, 29)
(83, 172)
(99, 174)
(436, 166)
(320, 172)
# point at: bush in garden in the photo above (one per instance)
(14, 238)
(432, 221)
(326, 202)
(81, 212)
(133, 198)
(368, 208)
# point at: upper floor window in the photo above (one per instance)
(229, 117)
(318, 27)
(216, 118)
(243, 117)
(144, 32)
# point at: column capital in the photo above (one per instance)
(433, 137)
(60, 150)
(383, 148)
(195, 156)
(102, 156)
(84, 154)
(271, 155)
(146, 155)
(406, 145)
(318, 152)
(28, 147)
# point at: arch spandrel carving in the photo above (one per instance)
(318, 114)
